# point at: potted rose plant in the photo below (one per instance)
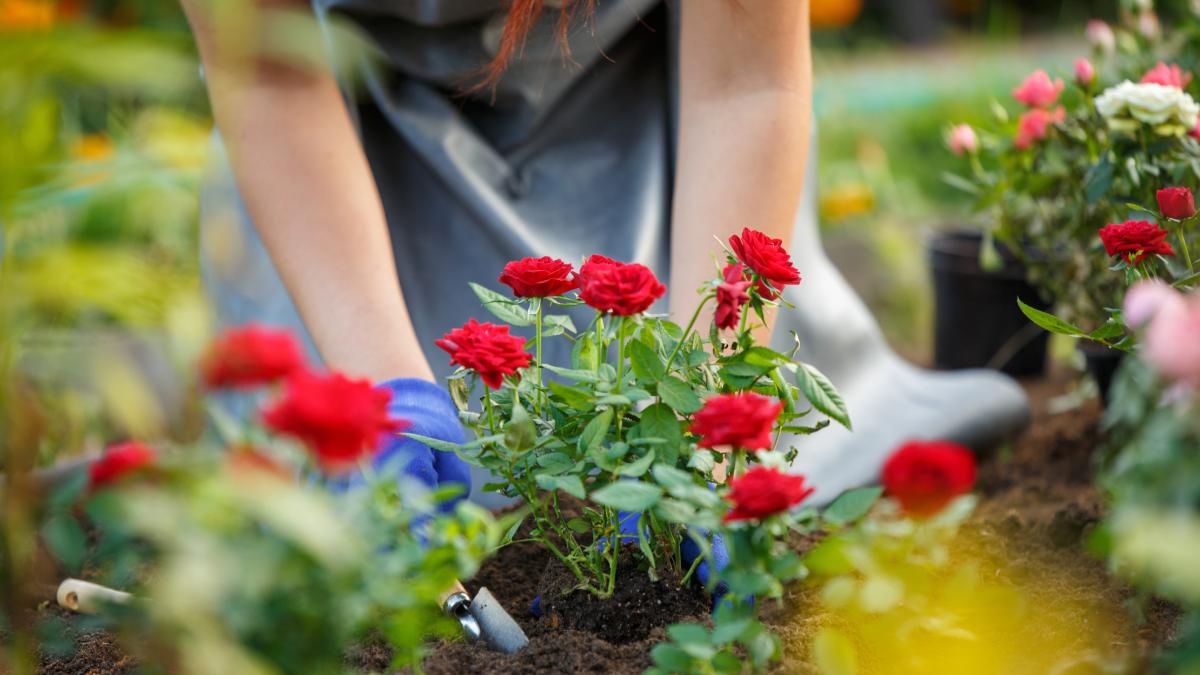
(1090, 185)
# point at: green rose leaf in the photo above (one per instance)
(505, 309)
(659, 421)
(647, 365)
(638, 467)
(1050, 322)
(821, 393)
(519, 434)
(595, 431)
(628, 495)
(677, 394)
(571, 485)
(852, 505)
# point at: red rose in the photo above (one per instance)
(763, 491)
(1176, 202)
(1038, 91)
(339, 419)
(731, 295)
(487, 349)
(925, 475)
(740, 420)
(118, 462)
(623, 289)
(250, 356)
(1168, 76)
(768, 259)
(1133, 240)
(1033, 125)
(538, 277)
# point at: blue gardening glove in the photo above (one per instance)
(430, 412)
(688, 551)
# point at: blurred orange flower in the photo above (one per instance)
(92, 147)
(833, 13)
(26, 15)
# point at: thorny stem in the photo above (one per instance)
(491, 414)
(687, 331)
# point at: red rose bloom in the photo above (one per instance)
(1168, 76)
(763, 492)
(339, 419)
(1176, 202)
(768, 259)
(250, 356)
(731, 295)
(925, 475)
(487, 349)
(118, 462)
(623, 289)
(741, 420)
(538, 277)
(1133, 240)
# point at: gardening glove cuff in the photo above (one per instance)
(429, 411)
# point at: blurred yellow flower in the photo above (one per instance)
(846, 201)
(26, 15)
(93, 148)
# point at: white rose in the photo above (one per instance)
(1171, 111)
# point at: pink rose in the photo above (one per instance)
(1171, 345)
(1084, 72)
(962, 139)
(1037, 91)
(1168, 76)
(1035, 124)
(1100, 35)
(1144, 299)
(1148, 25)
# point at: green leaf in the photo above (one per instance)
(956, 181)
(675, 511)
(573, 374)
(579, 525)
(434, 443)
(66, 540)
(595, 431)
(584, 355)
(519, 434)
(677, 394)
(628, 495)
(1098, 180)
(821, 393)
(659, 421)
(570, 484)
(505, 309)
(1050, 322)
(638, 467)
(852, 505)
(671, 658)
(686, 633)
(727, 662)
(1109, 330)
(702, 460)
(572, 396)
(670, 477)
(561, 321)
(726, 632)
(555, 462)
(646, 363)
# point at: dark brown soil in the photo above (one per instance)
(1036, 510)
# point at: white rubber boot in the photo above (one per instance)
(890, 400)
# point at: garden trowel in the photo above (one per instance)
(484, 618)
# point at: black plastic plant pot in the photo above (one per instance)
(1102, 363)
(977, 323)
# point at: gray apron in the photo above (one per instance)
(570, 158)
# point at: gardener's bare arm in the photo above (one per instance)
(309, 190)
(744, 116)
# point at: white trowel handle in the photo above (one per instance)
(88, 598)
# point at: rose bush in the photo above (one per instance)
(1077, 177)
(689, 431)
